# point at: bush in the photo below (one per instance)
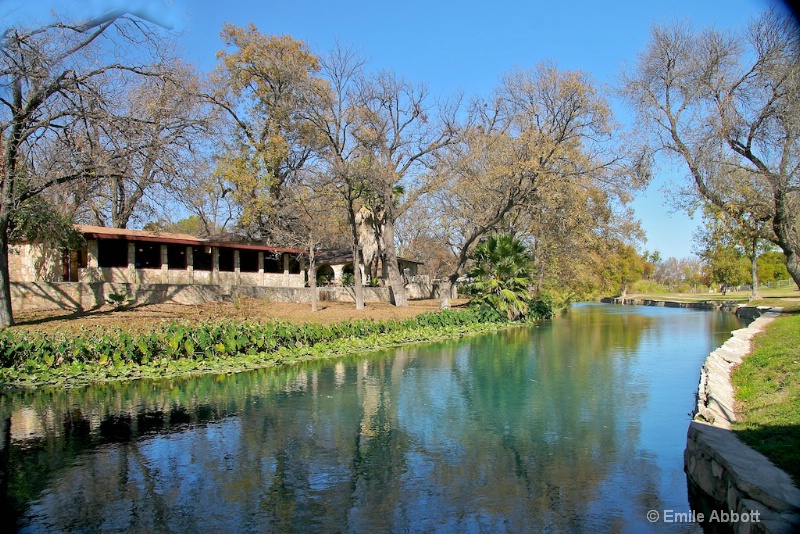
(501, 276)
(648, 287)
(541, 308)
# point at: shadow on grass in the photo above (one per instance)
(77, 314)
(780, 443)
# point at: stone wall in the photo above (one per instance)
(28, 262)
(707, 305)
(30, 296)
(724, 473)
(37, 263)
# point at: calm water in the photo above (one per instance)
(576, 425)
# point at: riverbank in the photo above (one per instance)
(768, 394)
(724, 473)
(692, 304)
(787, 298)
(31, 358)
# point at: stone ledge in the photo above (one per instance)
(734, 477)
(715, 394)
(751, 472)
(721, 467)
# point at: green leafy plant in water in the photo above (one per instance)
(28, 358)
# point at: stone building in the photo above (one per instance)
(334, 266)
(114, 255)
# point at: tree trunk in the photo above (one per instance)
(6, 314)
(444, 294)
(312, 274)
(754, 269)
(357, 282)
(446, 291)
(785, 227)
(358, 286)
(395, 278)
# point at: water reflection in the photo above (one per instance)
(564, 427)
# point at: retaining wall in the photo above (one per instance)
(724, 473)
(29, 296)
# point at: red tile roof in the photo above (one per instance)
(101, 232)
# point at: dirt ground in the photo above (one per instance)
(141, 317)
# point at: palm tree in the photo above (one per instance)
(502, 275)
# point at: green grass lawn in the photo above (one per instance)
(768, 390)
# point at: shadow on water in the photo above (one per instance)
(532, 429)
(56, 440)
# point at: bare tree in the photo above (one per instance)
(159, 123)
(728, 105)
(399, 136)
(333, 117)
(54, 78)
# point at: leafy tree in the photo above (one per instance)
(39, 221)
(651, 260)
(624, 267)
(502, 276)
(192, 225)
(727, 266)
(263, 84)
(544, 148)
(772, 267)
(724, 243)
(728, 105)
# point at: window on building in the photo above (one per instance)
(148, 255)
(201, 260)
(112, 253)
(226, 259)
(273, 263)
(294, 265)
(248, 261)
(176, 257)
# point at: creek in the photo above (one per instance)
(577, 424)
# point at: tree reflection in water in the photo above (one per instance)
(531, 429)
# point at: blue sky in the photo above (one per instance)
(455, 47)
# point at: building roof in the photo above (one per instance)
(101, 232)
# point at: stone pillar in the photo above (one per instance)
(236, 267)
(190, 264)
(131, 277)
(164, 264)
(92, 251)
(304, 267)
(91, 273)
(364, 281)
(285, 260)
(261, 268)
(338, 270)
(214, 265)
